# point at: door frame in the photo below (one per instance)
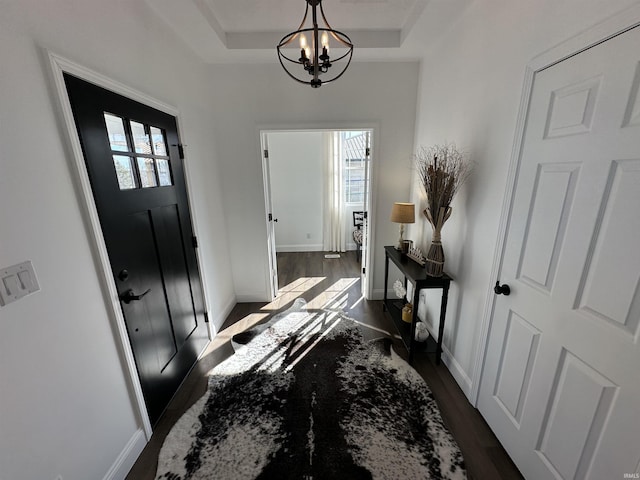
(263, 130)
(271, 230)
(60, 65)
(601, 32)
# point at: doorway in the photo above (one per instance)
(317, 194)
(133, 159)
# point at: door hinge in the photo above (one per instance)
(266, 153)
(194, 241)
(364, 270)
(368, 152)
(180, 149)
(206, 317)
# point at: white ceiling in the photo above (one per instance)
(239, 31)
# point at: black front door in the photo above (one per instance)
(137, 177)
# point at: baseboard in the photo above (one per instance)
(222, 314)
(127, 457)
(251, 297)
(378, 294)
(309, 248)
(299, 248)
(461, 378)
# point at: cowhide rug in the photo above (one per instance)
(305, 397)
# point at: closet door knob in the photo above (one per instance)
(501, 289)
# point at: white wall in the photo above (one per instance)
(248, 98)
(471, 83)
(296, 163)
(65, 404)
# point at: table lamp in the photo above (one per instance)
(403, 213)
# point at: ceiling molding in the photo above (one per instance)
(268, 40)
(401, 36)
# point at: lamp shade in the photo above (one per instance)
(403, 213)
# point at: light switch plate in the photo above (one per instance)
(16, 282)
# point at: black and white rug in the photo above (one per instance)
(305, 397)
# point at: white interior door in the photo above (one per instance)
(560, 385)
(271, 219)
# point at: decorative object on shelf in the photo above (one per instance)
(401, 292)
(403, 213)
(422, 333)
(442, 170)
(314, 56)
(407, 308)
(407, 313)
(406, 245)
(416, 255)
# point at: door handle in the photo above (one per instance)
(501, 289)
(129, 296)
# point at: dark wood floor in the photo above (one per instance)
(335, 283)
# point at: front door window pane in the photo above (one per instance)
(140, 138)
(157, 137)
(146, 167)
(117, 135)
(124, 172)
(164, 174)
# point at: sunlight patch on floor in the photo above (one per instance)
(326, 306)
(290, 292)
(328, 298)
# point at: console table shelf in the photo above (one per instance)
(416, 274)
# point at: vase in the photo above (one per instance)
(434, 260)
(407, 313)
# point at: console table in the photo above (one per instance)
(416, 274)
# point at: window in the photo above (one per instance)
(145, 165)
(354, 156)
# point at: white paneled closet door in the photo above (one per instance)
(561, 381)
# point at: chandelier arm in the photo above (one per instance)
(289, 37)
(340, 74)
(291, 75)
(292, 60)
(323, 17)
(336, 35)
(304, 19)
(341, 57)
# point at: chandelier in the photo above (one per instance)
(314, 57)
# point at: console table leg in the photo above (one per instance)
(414, 320)
(443, 312)
(386, 280)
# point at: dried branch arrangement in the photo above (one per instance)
(442, 170)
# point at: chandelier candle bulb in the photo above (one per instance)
(325, 41)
